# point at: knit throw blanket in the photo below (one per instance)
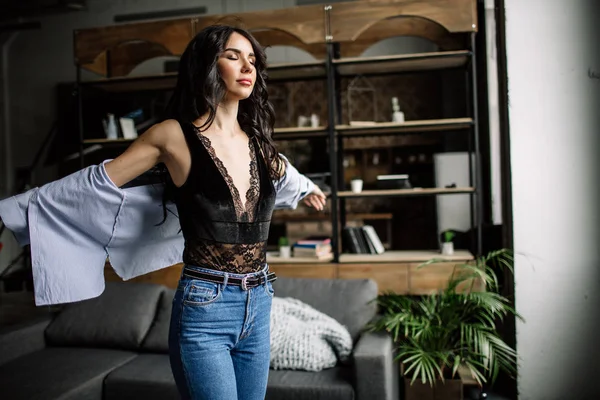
(303, 338)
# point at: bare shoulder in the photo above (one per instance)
(163, 133)
(152, 147)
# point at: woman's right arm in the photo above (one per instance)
(143, 154)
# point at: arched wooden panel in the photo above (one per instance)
(122, 59)
(280, 38)
(356, 25)
(172, 35)
(125, 57)
(349, 20)
(400, 26)
(306, 23)
(302, 27)
(98, 66)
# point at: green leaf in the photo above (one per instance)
(457, 361)
(441, 331)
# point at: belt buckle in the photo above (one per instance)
(245, 283)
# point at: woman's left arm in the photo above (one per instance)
(292, 187)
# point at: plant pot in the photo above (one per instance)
(447, 248)
(356, 185)
(450, 389)
(285, 251)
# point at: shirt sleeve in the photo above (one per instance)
(74, 223)
(13, 211)
(291, 187)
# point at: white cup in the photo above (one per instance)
(302, 121)
(356, 185)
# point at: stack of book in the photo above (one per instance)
(361, 240)
(319, 249)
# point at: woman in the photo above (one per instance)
(222, 162)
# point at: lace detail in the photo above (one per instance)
(234, 258)
(230, 257)
(244, 213)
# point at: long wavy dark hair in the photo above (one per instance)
(200, 90)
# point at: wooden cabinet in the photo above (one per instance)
(167, 276)
(389, 277)
(406, 275)
(323, 271)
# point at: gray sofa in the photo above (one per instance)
(115, 347)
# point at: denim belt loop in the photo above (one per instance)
(265, 272)
(225, 279)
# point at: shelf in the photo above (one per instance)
(298, 217)
(107, 141)
(402, 63)
(407, 192)
(427, 125)
(296, 71)
(405, 256)
(299, 133)
(167, 81)
(273, 258)
(136, 83)
(279, 134)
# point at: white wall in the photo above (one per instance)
(554, 130)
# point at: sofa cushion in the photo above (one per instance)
(346, 300)
(329, 384)
(60, 373)
(146, 377)
(157, 339)
(119, 318)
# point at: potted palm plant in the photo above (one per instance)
(453, 328)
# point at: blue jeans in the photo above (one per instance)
(219, 338)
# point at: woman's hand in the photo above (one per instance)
(315, 199)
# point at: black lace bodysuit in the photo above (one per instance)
(221, 232)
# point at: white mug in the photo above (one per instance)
(302, 121)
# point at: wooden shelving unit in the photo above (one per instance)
(335, 36)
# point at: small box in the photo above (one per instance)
(400, 181)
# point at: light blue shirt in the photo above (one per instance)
(73, 224)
